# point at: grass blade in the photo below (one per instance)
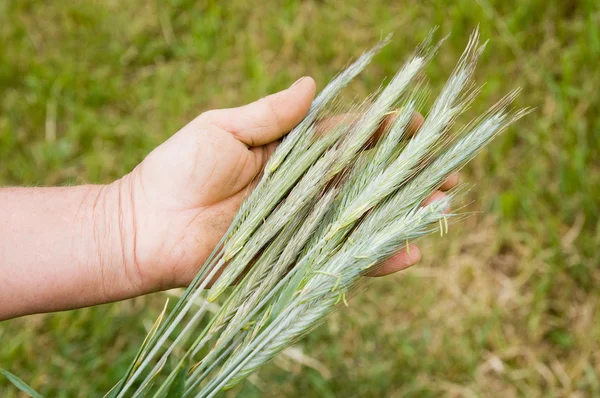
(20, 384)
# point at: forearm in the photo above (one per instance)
(61, 248)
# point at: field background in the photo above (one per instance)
(506, 305)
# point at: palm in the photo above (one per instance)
(189, 190)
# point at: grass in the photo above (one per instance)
(508, 304)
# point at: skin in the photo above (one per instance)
(69, 247)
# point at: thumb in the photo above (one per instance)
(267, 119)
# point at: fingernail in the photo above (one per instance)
(297, 81)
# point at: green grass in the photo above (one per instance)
(508, 304)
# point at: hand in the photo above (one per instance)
(177, 204)
(70, 247)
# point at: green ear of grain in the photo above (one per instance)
(20, 384)
(287, 294)
(320, 103)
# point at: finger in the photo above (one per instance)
(437, 195)
(327, 124)
(263, 153)
(398, 262)
(267, 119)
(413, 126)
(450, 182)
(415, 123)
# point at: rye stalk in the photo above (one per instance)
(327, 210)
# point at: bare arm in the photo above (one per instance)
(59, 249)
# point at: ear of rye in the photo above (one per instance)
(327, 210)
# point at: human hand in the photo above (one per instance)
(177, 204)
(70, 247)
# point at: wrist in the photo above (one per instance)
(111, 240)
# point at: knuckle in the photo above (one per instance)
(207, 118)
(273, 117)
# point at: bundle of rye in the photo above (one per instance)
(330, 207)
